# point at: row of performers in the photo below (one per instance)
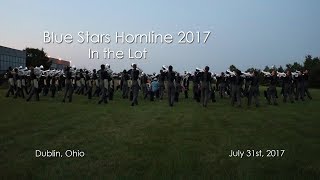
(103, 84)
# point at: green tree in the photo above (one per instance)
(37, 57)
(280, 69)
(250, 69)
(289, 67)
(296, 67)
(233, 68)
(313, 66)
(266, 69)
(314, 79)
(310, 63)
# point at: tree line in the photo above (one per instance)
(312, 64)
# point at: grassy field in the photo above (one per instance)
(155, 141)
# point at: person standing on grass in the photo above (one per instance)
(96, 83)
(19, 91)
(306, 84)
(178, 87)
(68, 85)
(135, 84)
(34, 86)
(53, 85)
(10, 81)
(288, 87)
(195, 88)
(88, 83)
(143, 82)
(104, 84)
(125, 87)
(171, 76)
(222, 85)
(186, 84)
(254, 89)
(300, 87)
(205, 82)
(155, 85)
(236, 83)
(272, 90)
(161, 77)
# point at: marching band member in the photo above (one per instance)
(53, 85)
(19, 91)
(68, 85)
(135, 85)
(288, 87)
(306, 84)
(89, 85)
(205, 83)
(298, 89)
(143, 82)
(162, 77)
(34, 86)
(111, 88)
(254, 89)
(213, 88)
(272, 90)
(196, 84)
(236, 84)
(96, 83)
(186, 84)
(82, 82)
(125, 88)
(178, 81)
(104, 84)
(222, 81)
(171, 76)
(24, 83)
(46, 85)
(10, 81)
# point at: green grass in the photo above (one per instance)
(155, 141)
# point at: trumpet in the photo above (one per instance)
(281, 74)
(45, 73)
(23, 72)
(296, 74)
(186, 75)
(199, 70)
(246, 74)
(139, 69)
(266, 73)
(165, 68)
(231, 73)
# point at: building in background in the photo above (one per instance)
(58, 63)
(11, 58)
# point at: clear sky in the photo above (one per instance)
(245, 33)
